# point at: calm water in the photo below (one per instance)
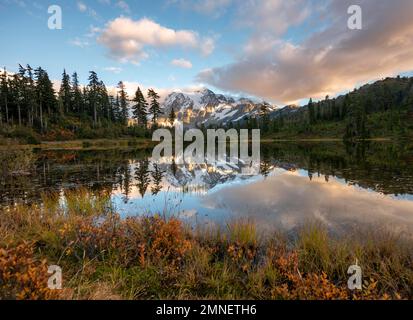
(342, 186)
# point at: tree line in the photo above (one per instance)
(385, 106)
(27, 98)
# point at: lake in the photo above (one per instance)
(341, 186)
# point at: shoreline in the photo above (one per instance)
(142, 143)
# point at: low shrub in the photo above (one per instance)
(22, 275)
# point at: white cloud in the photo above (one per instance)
(81, 6)
(182, 63)
(207, 46)
(79, 43)
(127, 39)
(131, 88)
(212, 8)
(123, 5)
(115, 70)
(93, 31)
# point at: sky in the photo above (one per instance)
(281, 51)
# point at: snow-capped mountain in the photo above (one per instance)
(204, 107)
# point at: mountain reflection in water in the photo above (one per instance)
(342, 186)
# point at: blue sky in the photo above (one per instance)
(282, 51)
(24, 29)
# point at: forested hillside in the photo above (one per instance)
(30, 108)
(381, 109)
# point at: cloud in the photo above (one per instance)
(182, 63)
(212, 8)
(123, 5)
(331, 59)
(207, 46)
(127, 39)
(131, 88)
(93, 31)
(288, 199)
(81, 6)
(272, 17)
(115, 70)
(79, 43)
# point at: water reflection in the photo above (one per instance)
(340, 185)
(289, 199)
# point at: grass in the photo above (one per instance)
(106, 257)
(78, 144)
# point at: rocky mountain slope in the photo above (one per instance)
(204, 107)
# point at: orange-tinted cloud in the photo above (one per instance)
(328, 61)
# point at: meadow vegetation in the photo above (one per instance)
(104, 256)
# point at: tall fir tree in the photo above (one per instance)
(31, 95)
(76, 95)
(311, 111)
(140, 108)
(172, 117)
(4, 85)
(154, 108)
(123, 102)
(46, 97)
(104, 102)
(65, 93)
(93, 95)
(265, 116)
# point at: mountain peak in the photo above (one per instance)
(204, 107)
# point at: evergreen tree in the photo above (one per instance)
(344, 107)
(140, 108)
(21, 90)
(155, 108)
(104, 102)
(265, 116)
(4, 85)
(157, 176)
(31, 95)
(39, 74)
(117, 109)
(112, 103)
(46, 97)
(356, 122)
(311, 111)
(93, 88)
(65, 92)
(123, 101)
(76, 95)
(142, 176)
(172, 116)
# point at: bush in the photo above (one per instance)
(24, 134)
(22, 276)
